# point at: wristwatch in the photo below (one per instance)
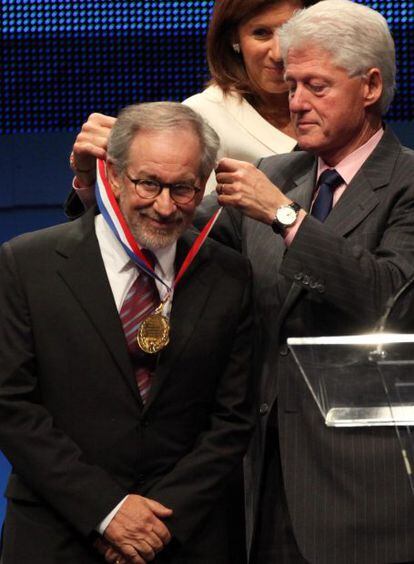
(285, 217)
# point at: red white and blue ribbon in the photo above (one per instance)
(109, 208)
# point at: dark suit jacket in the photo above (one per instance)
(347, 491)
(71, 419)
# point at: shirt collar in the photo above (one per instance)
(117, 257)
(351, 164)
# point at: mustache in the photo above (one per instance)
(174, 218)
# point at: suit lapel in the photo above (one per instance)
(84, 273)
(302, 188)
(190, 298)
(360, 198)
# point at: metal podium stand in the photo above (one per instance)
(362, 380)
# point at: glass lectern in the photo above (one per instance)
(362, 380)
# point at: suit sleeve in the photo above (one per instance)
(357, 273)
(228, 227)
(200, 478)
(50, 464)
(73, 205)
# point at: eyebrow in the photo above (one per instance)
(306, 77)
(151, 176)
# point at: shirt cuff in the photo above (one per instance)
(290, 232)
(101, 527)
(86, 194)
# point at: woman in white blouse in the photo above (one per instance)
(246, 101)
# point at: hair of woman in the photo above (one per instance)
(226, 65)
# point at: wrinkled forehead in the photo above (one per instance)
(169, 150)
(309, 58)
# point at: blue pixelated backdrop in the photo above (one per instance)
(64, 59)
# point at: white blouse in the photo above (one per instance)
(244, 134)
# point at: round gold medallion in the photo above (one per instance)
(154, 332)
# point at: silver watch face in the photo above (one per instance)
(286, 215)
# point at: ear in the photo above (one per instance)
(235, 36)
(200, 194)
(114, 179)
(235, 42)
(373, 87)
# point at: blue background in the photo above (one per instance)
(62, 60)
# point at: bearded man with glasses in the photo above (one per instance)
(124, 388)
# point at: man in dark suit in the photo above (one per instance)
(96, 459)
(326, 255)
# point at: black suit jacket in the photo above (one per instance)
(347, 491)
(71, 419)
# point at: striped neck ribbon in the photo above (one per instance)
(109, 208)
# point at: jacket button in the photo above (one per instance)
(320, 288)
(298, 276)
(264, 408)
(306, 280)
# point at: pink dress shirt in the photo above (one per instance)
(347, 168)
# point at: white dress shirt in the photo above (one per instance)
(122, 273)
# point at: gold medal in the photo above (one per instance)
(154, 332)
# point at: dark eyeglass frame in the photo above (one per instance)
(172, 187)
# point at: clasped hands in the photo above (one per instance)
(136, 533)
(243, 186)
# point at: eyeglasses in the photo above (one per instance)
(180, 193)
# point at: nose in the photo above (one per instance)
(298, 100)
(275, 48)
(164, 205)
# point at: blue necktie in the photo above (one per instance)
(328, 181)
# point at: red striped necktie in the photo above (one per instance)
(141, 300)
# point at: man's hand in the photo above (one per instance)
(243, 186)
(90, 144)
(137, 531)
(111, 555)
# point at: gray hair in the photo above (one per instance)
(357, 38)
(161, 116)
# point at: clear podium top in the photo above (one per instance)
(368, 339)
(359, 380)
